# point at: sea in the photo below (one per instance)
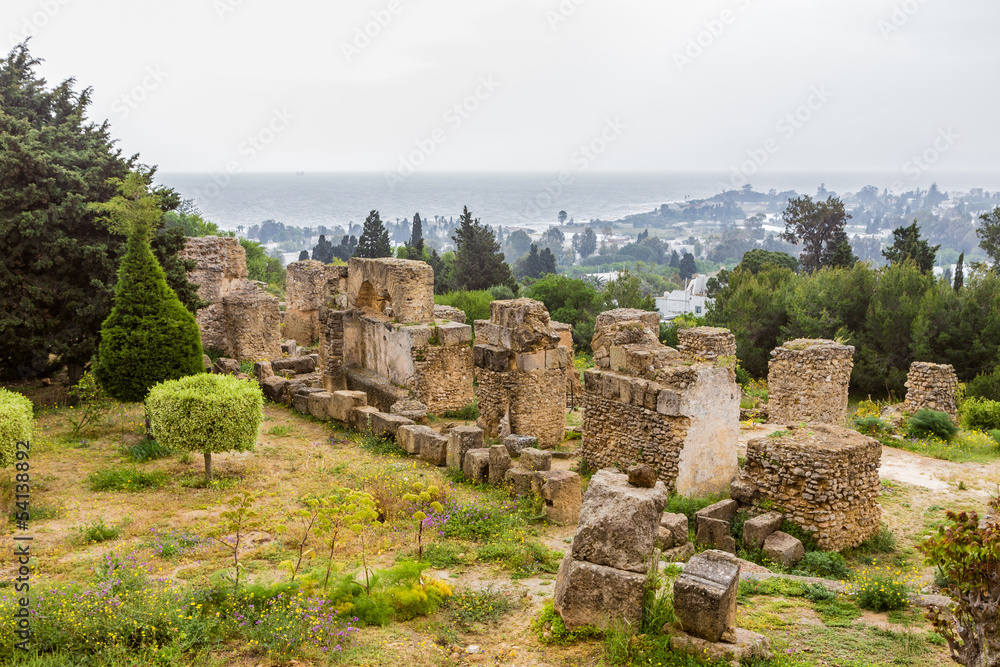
(527, 200)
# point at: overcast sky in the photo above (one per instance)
(658, 85)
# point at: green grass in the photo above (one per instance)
(147, 449)
(280, 431)
(373, 444)
(966, 447)
(97, 532)
(488, 605)
(469, 413)
(126, 479)
(838, 612)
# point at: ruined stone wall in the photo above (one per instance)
(574, 386)
(808, 381)
(620, 327)
(398, 289)
(931, 386)
(824, 478)
(252, 323)
(449, 313)
(331, 348)
(444, 377)
(307, 287)
(706, 343)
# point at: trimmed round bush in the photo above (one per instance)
(206, 413)
(17, 424)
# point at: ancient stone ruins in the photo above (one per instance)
(648, 403)
(807, 380)
(931, 386)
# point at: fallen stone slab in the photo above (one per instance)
(714, 533)
(477, 465)
(705, 594)
(500, 463)
(757, 529)
(515, 444)
(535, 459)
(594, 595)
(518, 481)
(386, 425)
(783, 548)
(319, 405)
(461, 440)
(343, 403)
(738, 646)
(673, 531)
(406, 437)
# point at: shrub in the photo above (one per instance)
(149, 336)
(985, 385)
(870, 425)
(92, 404)
(475, 304)
(97, 532)
(16, 424)
(931, 423)
(147, 449)
(549, 627)
(206, 413)
(826, 564)
(126, 479)
(879, 592)
(981, 415)
(868, 408)
(469, 413)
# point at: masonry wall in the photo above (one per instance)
(706, 343)
(399, 289)
(931, 386)
(808, 381)
(307, 284)
(444, 377)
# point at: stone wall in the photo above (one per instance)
(449, 313)
(824, 478)
(931, 386)
(243, 319)
(521, 371)
(706, 343)
(574, 386)
(307, 286)
(646, 404)
(444, 376)
(400, 289)
(808, 380)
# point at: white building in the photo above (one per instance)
(690, 300)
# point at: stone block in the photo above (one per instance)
(343, 403)
(705, 594)
(783, 548)
(414, 410)
(668, 402)
(599, 596)
(454, 333)
(618, 522)
(407, 437)
(461, 439)
(724, 509)
(206, 361)
(491, 358)
(360, 419)
(433, 448)
(386, 425)
(319, 405)
(274, 388)
(527, 362)
(518, 481)
(743, 491)
(642, 475)
(679, 554)
(297, 365)
(476, 465)
(739, 646)
(300, 403)
(557, 358)
(515, 444)
(757, 529)
(673, 530)
(562, 492)
(262, 370)
(224, 366)
(499, 464)
(536, 459)
(714, 533)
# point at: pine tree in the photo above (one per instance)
(907, 244)
(479, 264)
(304, 256)
(323, 250)
(416, 244)
(374, 241)
(960, 273)
(149, 336)
(687, 267)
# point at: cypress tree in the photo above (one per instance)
(149, 336)
(479, 264)
(417, 236)
(374, 241)
(960, 272)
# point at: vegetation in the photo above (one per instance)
(206, 413)
(374, 240)
(479, 264)
(126, 479)
(980, 414)
(930, 423)
(819, 227)
(16, 425)
(475, 304)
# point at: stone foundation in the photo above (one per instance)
(824, 478)
(706, 343)
(931, 386)
(808, 381)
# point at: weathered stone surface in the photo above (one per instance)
(386, 425)
(499, 464)
(590, 594)
(705, 594)
(782, 548)
(642, 475)
(461, 439)
(224, 366)
(297, 365)
(394, 288)
(562, 492)
(206, 361)
(742, 646)
(676, 530)
(407, 437)
(343, 403)
(300, 403)
(706, 343)
(273, 388)
(414, 410)
(724, 509)
(743, 491)
(361, 418)
(535, 459)
(515, 444)
(618, 522)
(715, 533)
(679, 554)
(807, 380)
(756, 530)
(518, 480)
(319, 405)
(931, 386)
(262, 370)
(433, 448)
(449, 313)
(476, 465)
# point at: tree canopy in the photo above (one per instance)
(989, 235)
(819, 227)
(907, 244)
(374, 241)
(479, 264)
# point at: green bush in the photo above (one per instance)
(468, 413)
(206, 413)
(475, 304)
(985, 385)
(147, 450)
(149, 336)
(931, 423)
(870, 425)
(826, 564)
(16, 424)
(97, 532)
(981, 415)
(126, 479)
(880, 593)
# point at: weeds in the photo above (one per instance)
(483, 606)
(147, 449)
(97, 532)
(126, 479)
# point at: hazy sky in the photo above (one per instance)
(664, 85)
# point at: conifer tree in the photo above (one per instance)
(960, 273)
(416, 243)
(479, 264)
(374, 241)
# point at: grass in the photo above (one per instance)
(97, 532)
(126, 479)
(468, 608)
(469, 413)
(280, 431)
(147, 449)
(966, 447)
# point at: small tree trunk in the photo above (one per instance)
(208, 467)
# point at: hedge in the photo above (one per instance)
(16, 424)
(206, 413)
(980, 415)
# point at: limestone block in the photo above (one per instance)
(743, 491)
(386, 425)
(668, 402)
(360, 419)
(407, 437)
(492, 358)
(343, 403)
(673, 530)
(714, 533)
(224, 366)
(297, 365)
(705, 594)
(518, 480)
(599, 596)
(563, 494)
(679, 554)
(433, 448)
(528, 321)
(724, 509)
(757, 529)
(783, 548)
(530, 361)
(319, 405)
(300, 403)
(642, 475)
(536, 459)
(402, 287)
(515, 444)
(454, 333)
(449, 313)
(414, 410)
(499, 464)
(262, 370)
(476, 465)
(557, 358)
(739, 647)
(273, 388)
(461, 439)
(618, 522)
